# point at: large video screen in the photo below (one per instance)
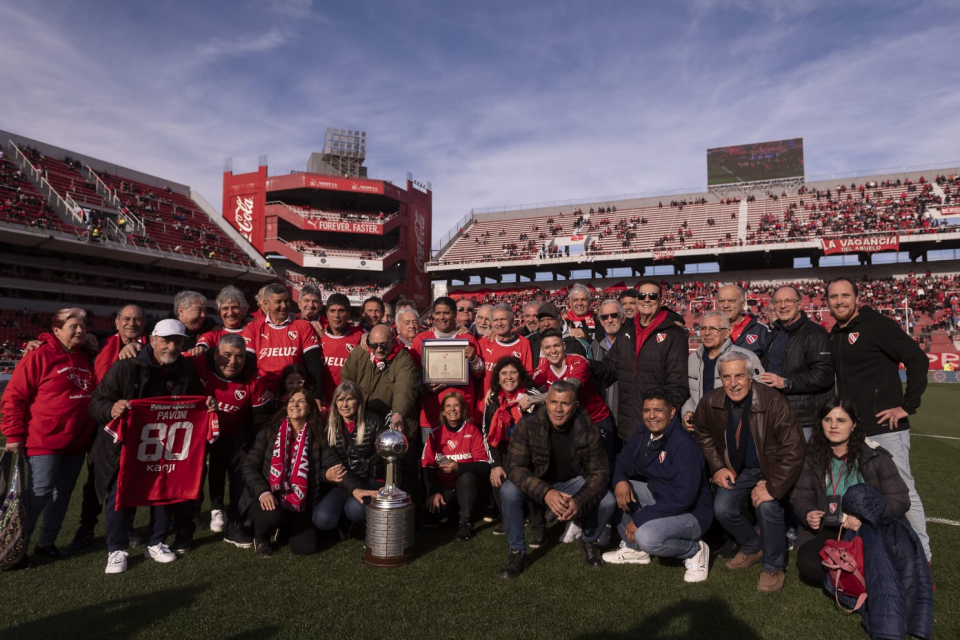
(754, 162)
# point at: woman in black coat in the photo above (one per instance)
(283, 477)
(839, 457)
(350, 460)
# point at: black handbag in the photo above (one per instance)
(13, 511)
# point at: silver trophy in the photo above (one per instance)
(390, 515)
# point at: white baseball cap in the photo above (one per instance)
(169, 327)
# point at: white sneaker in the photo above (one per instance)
(218, 521)
(116, 562)
(571, 533)
(626, 555)
(697, 565)
(605, 535)
(159, 552)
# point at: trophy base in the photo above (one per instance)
(389, 540)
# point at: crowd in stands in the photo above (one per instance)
(343, 216)
(21, 203)
(309, 247)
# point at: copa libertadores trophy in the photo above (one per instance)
(390, 515)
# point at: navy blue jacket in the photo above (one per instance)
(899, 584)
(675, 474)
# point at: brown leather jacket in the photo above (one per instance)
(776, 433)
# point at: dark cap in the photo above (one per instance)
(548, 309)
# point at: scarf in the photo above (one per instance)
(290, 466)
(738, 328)
(504, 419)
(382, 364)
(581, 321)
(644, 332)
(737, 436)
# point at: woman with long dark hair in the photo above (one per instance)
(350, 460)
(282, 474)
(838, 457)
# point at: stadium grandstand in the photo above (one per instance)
(892, 230)
(82, 231)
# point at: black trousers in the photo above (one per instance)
(90, 506)
(462, 498)
(809, 564)
(297, 527)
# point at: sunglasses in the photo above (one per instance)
(378, 345)
(609, 316)
(648, 296)
(466, 310)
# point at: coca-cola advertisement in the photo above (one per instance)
(244, 199)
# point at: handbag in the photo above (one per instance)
(13, 512)
(843, 561)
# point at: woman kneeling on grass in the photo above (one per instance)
(282, 473)
(848, 483)
(456, 465)
(350, 460)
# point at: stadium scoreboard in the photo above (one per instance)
(755, 162)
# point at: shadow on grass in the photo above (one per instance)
(118, 618)
(703, 619)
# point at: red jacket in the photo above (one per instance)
(45, 403)
(108, 355)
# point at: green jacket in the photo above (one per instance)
(393, 389)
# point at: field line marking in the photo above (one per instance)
(952, 523)
(930, 435)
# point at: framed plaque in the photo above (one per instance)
(445, 362)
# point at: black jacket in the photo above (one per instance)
(127, 380)
(866, 355)
(358, 457)
(256, 470)
(806, 366)
(754, 337)
(662, 362)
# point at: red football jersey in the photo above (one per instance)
(336, 349)
(212, 338)
(492, 350)
(276, 347)
(164, 446)
(575, 367)
(430, 404)
(235, 400)
(466, 445)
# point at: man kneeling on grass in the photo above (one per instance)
(556, 457)
(660, 483)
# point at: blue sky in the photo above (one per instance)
(495, 103)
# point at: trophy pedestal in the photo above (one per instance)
(390, 523)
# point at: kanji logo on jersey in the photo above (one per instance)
(751, 338)
(853, 337)
(661, 337)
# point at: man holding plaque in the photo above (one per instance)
(449, 361)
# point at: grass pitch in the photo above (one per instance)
(452, 590)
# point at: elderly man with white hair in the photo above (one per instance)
(190, 308)
(579, 318)
(703, 376)
(746, 330)
(408, 325)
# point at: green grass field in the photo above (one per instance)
(449, 591)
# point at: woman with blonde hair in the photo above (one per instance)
(350, 460)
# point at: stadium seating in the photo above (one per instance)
(310, 248)
(21, 203)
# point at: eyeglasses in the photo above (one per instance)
(466, 310)
(648, 296)
(609, 316)
(713, 329)
(378, 345)
(788, 301)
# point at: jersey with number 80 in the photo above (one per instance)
(161, 462)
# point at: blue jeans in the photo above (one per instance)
(897, 443)
(668, 537)
(326, 515)
(512, 499)
(49, 485)
(772, 538)
(120, 523)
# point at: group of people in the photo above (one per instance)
(597, 417)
